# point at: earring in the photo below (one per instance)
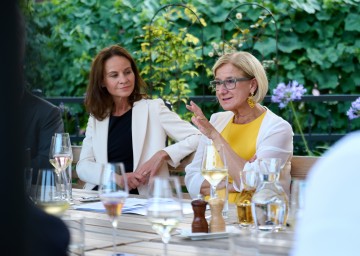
(250, 100)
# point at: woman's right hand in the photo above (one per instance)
(201, 122)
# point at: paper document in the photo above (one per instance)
(132, 205)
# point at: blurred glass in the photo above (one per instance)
(48, 194)
(76, 226)
(243, 243)
(249, 179)
(297, 201)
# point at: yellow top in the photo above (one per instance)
(242, 139)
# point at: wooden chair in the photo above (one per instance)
(76, 182)
(300, 166)
(180, 172)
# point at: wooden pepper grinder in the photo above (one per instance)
(217, 222)
(199, 223)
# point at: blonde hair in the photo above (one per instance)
(252, 68)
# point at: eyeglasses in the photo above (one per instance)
(229, 83)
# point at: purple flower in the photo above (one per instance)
(284, 93)
(354, 110)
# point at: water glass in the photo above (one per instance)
(68, 186)
(297, 201)
(243, 243)
(76, 227)
(269, 204)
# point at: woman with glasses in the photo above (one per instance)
(247, 129)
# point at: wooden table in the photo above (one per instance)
(135, 236)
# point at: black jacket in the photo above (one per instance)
(41, 120)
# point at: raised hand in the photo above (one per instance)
(201, 122)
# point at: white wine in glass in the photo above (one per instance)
(214, 168)
(164, 207)
(113, 191)
(48, 193)
(60, 155)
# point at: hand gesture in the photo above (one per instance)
(201, 122)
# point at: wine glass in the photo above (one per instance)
(60, 156)
(48, 193)
(164, 207)
(113, 191)
(214, 168)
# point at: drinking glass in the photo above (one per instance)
(249, 179)
(297, 201)
(164, 207)
(269, 204)
(214, 169)
(48, 193)
(60, 156)
(113, 191)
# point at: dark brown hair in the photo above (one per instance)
(98, 101)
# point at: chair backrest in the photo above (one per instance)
(76, 153)
(179, 171)
(300, 166)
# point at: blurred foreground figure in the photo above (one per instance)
(329, 224)
(26, 229)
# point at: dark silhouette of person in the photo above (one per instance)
(26, 229)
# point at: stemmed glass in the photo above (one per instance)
(113, 191)
(214, 168)
(164, 207)
(47, 194)
(60, 156)
(60, 151)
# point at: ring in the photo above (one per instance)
(201, 118)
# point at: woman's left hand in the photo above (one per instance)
(151, 167)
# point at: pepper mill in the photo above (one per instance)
(217, 222)
(199, 223)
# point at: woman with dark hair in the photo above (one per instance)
(125, 126)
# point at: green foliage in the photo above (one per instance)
(174, 58)
(314, 42)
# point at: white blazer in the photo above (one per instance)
(275, 139)
(151, 123)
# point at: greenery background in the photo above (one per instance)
(314, 42)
